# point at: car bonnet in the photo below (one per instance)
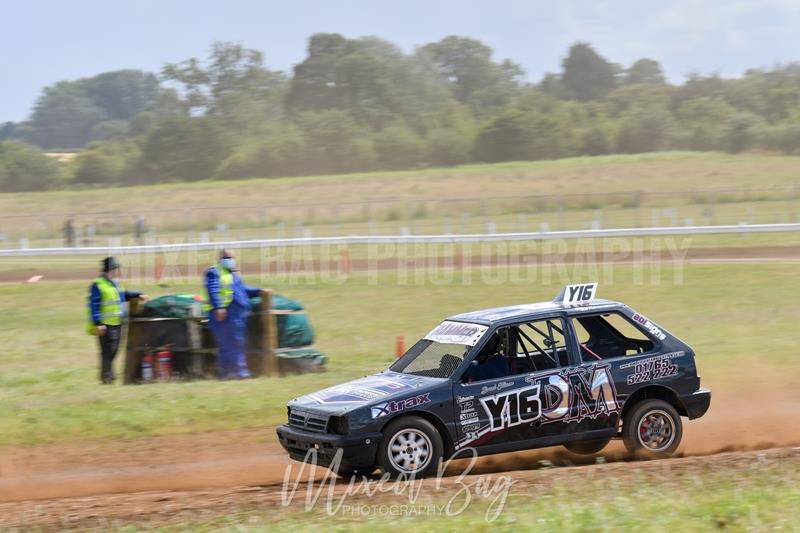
(364, 391)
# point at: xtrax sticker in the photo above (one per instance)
(652, 368)
(450, 332)
(649, 326)
(567, 396)
(394, 406)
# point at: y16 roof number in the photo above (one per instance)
(578, 294)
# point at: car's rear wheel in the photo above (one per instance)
(652, 428)
(587, 447)
(411, 446)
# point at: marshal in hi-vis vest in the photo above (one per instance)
(110, 305)
(225, 289)
(225, 285)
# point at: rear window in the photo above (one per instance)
(609, 335)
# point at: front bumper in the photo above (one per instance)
(357, 450)
(696, 404)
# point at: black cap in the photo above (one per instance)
(110, 263)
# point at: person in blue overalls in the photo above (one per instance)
(229, 299)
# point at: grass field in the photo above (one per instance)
(741, 318)
(670, 188)
(729, 313)
(468, 219)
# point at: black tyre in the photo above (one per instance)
(652, 428)
(587, 447)
(410, 446)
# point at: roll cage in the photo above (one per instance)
(539, 338)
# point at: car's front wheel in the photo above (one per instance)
(652, 429)
(411, 446)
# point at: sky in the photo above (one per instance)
(44, 42)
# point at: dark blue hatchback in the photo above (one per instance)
(577, 371)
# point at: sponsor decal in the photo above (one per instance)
(591, 393)
(467, 406)
(653, 368)
(361, 390)
(364, 394)
(570, 395)
(468, 415)
(457, 333)
(649, 326)
(497, 387)
(394, 406)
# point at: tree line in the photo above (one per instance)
(364, 104)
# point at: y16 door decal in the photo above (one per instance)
(570, 395)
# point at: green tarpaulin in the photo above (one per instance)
(174, 306)
(293, 330)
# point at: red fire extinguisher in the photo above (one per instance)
(147, 368)
(164, 367)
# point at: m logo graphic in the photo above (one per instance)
(594, 393)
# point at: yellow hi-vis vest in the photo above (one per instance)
(225, 287)
(110, 305)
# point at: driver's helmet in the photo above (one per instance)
(492, 349)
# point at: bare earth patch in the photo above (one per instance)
(172, 478)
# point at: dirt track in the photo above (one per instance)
(78, 482)
(153, 509)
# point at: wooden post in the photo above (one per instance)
(269, 335)
(194, 335)
(131, 344)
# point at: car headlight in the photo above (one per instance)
(338, 425)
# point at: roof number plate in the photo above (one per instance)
(578, 294)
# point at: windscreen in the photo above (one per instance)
(431, 359)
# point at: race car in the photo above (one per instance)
(577, 371)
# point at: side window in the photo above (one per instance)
(520, 349)
(492, 361)
(603, 336)
(539, 345)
